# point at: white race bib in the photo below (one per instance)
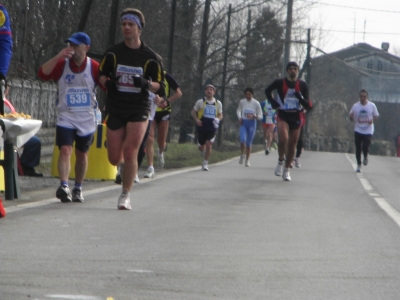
(210, 111)
(291, 102)
(125, 81)
(248, 113)
(78, 98)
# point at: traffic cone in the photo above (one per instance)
(2, 210)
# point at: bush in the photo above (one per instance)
(380, 147)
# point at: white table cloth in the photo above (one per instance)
(19, 131)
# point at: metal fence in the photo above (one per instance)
(35, 98)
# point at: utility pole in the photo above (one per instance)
(171, 36)
(307, 68)
(308, 58)
(365, 25)
(288, 35)
(113, 23)
(85, 15)
(171, 49)
(228, 30)
(308, 79)
(203, 45)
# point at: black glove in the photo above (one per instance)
(139, 81)
(2, 77)
(111, 83)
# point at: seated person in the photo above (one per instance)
(30, 157)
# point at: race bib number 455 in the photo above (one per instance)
(292, 103)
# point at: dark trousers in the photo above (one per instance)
(30, 157)
(362, 142)
(142, 149)
(299, 146)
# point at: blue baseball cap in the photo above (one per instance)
(79, 38)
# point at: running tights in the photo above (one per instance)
(362, 142)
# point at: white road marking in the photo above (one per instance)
(54, 200)
(383, 204)
(140, 271)
(390, 210)
(108, 188)
(73, 297)
(365, 183)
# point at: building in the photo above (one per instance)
(336, 79)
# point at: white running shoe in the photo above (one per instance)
(365, 161)
(161, 161)
(279, 168)
(150, 173)
(64, 194)
(204, 167)
(297, 162)
(124, 202)
(241, 158)
(136, 178)
(77, 195)
(286, 175)
(358, 170)
(247, 163)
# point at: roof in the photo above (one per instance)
(359, 50)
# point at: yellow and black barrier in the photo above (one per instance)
(98, 165)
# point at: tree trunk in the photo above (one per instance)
(85, 15)
(203, 45)
(184, 45)
(20, 37)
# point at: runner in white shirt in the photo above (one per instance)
(248, 112)
(363, 113)
(207, 113)
(77, 79)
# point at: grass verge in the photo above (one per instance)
(182, 156)
(188, 155)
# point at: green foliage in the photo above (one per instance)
(380, 147)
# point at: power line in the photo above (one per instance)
(351, 31)
(352, 7)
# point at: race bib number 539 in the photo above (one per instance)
(78, 98)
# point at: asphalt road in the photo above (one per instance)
(230, 233)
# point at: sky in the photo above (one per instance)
(348, 22)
